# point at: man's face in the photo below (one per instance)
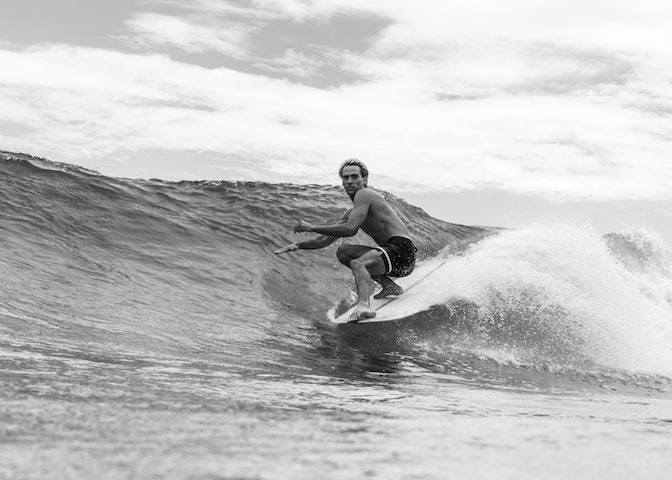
(352, 179)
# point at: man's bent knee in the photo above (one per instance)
(356, 263)
(371, 261)
(343, 256)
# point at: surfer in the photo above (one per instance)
(395, 255)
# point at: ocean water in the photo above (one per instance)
(147, 331)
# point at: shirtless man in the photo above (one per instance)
(394, 257)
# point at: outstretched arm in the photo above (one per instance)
(348, 225)
(314, 243)
(311, 244)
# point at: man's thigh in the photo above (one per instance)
(373, 261)
(347, 253)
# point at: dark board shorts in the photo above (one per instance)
(399, 256)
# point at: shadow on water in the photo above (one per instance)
(356, 351)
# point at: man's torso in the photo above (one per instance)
(381, 222)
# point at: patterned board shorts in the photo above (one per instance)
(399, 256)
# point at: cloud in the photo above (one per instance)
(227, 37)
(489, 95)
(93, 102)
(292, 40)
(224, 27)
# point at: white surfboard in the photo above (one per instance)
(410, 302)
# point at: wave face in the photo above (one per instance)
(120, 270)
(150, 268)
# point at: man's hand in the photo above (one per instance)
(302, 226)
(289, 248)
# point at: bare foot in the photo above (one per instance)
(391, 289)
(362, 312)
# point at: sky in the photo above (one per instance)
(481, 112)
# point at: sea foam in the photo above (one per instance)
(566, 294)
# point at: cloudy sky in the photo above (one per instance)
(481, 111)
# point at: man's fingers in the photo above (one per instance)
(289, 248)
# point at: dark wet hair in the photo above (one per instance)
(364, 172)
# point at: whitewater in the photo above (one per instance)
(147, 330)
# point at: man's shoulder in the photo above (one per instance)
(367, 195)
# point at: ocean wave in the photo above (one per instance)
(148, 267)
